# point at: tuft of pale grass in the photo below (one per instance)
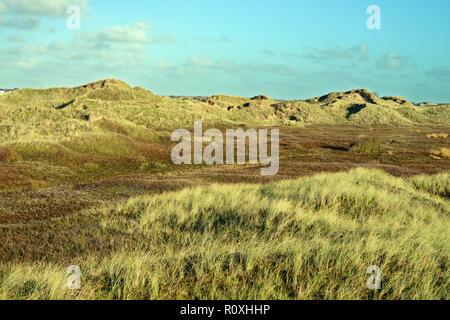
(440, 153)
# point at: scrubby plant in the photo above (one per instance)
(367, 144)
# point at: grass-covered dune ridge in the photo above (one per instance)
(113, 107)
(310, 238)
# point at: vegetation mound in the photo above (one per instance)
(399, 100)
(353, 96)
(107, 83)
(260, 98)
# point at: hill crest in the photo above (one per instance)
(106, 83)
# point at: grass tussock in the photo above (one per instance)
(311, 238)
(367, 145)
(438, 185)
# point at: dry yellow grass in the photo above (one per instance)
(437, 135)
(440, 153)
(310, 238)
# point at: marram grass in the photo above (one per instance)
(311, 238)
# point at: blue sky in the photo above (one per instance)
(285, 49)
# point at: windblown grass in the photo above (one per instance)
(311, 238)
(438, 184)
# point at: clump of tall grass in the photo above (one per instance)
(367, 144)
(437, 184)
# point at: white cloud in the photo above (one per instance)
(25, 50)
(202, 62)
(439, 73)
(134, 33)
(363, 52)
(25, 14)
(222, 38)
(112, 47)
(22, 63)
(392, 61)
(48, 8)
(207, 67)
(163, 65)
(16, 38)
(272, 69)
(268, 52)
(22, 23)
(359, 52)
